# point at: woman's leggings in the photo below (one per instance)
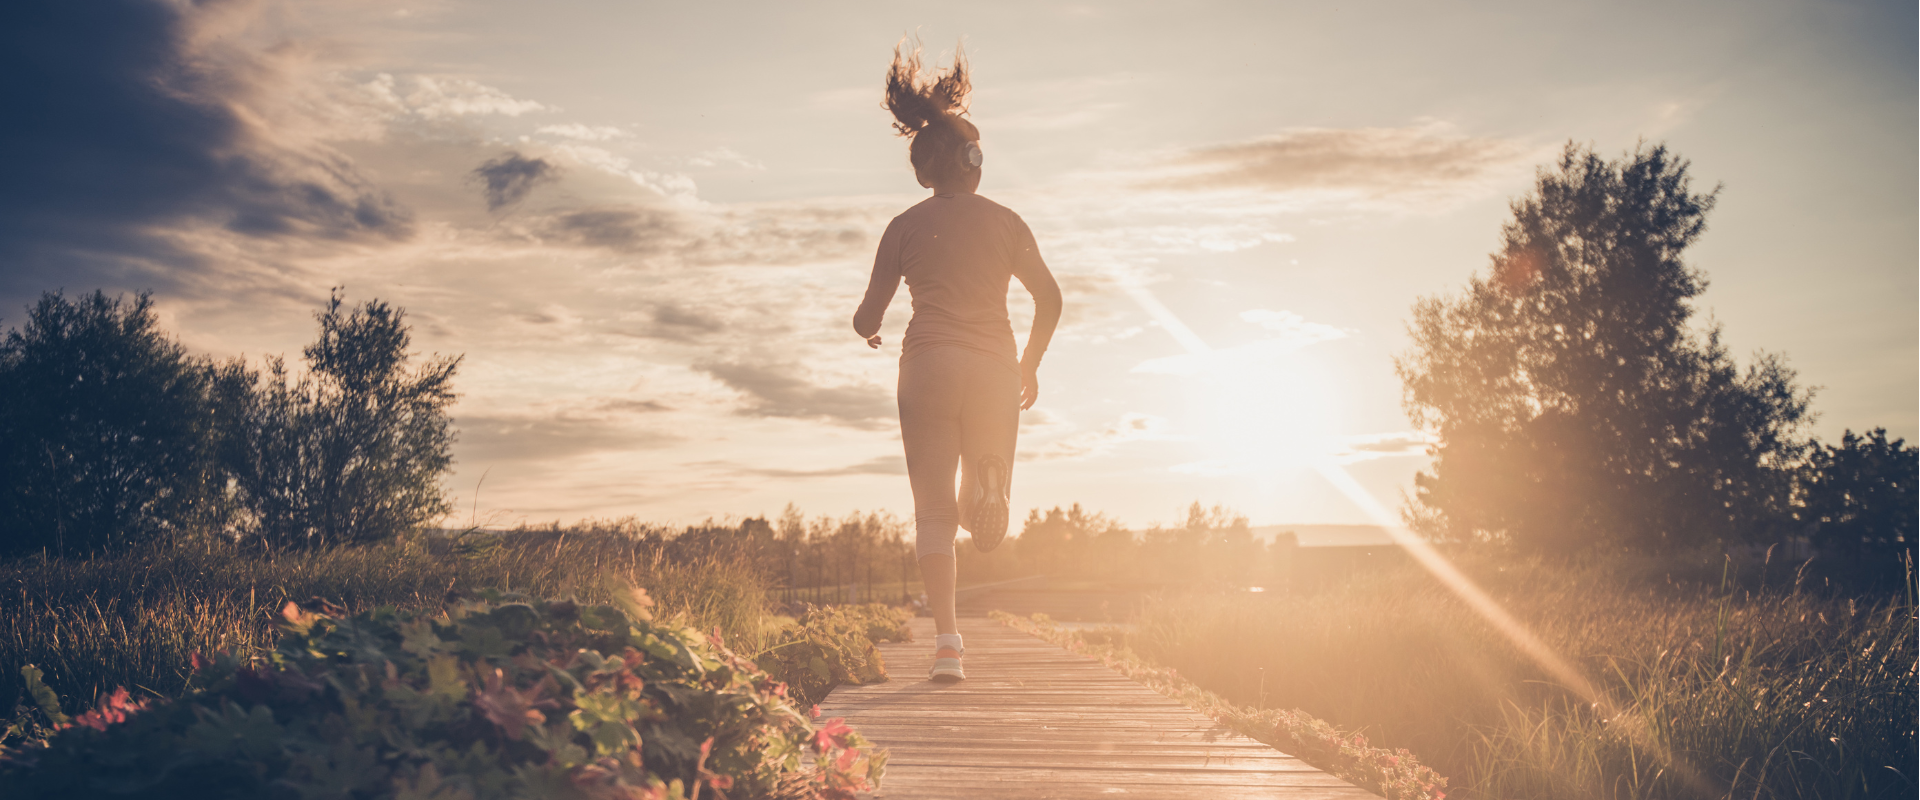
(956, 405)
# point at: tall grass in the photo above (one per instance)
(135, 619)
(1755, 693)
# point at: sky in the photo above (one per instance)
(645, 226)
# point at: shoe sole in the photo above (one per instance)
(948, 672)
(990, 511)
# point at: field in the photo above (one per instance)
(1721, 680)
(1756, 688)
(135, 619)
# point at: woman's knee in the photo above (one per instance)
(934, 531)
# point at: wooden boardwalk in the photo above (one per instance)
(1036, 721)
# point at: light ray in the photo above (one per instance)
(1429, 558)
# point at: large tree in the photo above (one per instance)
(105, 430)
(352, 451)
(1573, 399)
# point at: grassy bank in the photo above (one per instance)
(135, 619)
(1763, 692)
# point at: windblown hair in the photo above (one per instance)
(930, 110)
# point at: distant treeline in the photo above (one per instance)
(111, 434)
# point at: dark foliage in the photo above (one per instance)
(1860, 496)
(111, 434)
(353, 451)
(106, 437)
(1572, 403)
(506, 697)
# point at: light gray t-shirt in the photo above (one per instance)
(956, 253)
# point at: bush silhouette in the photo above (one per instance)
(352, 451)
(1860, 495)
(106, 432)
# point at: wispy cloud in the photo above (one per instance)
(742, 235)
(1292, 328)
(679, 323)
(1425, 162)
(440, 98)
(486, 439)
(584, 133)
(1367, 447)
(1130, 427)
(1287, 332)
(781, 390)
(881, 465)
(724, 157)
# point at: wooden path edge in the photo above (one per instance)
(1034, 721)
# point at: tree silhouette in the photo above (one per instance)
(105, 429)
(354, 450)
(1860, 495)
(1571, 402)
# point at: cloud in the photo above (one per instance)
(635, 406)
(775, 235)
(584, 133)
(438, 98)
(778, 391)
(627, 229)
(131, 121)
(726, 156)
(679, 323)
(1132, 426)
(671, 185)
(1423, 159)
(508, 179)
(1290, 332)
(1367, 447)
(882, 465)
(489, 439)
(1291, 327)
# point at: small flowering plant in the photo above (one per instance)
(1394, 774)
(501, 697)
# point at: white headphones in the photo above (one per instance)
(972, 155)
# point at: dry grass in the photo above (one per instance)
(135, 619)
(1764, 692)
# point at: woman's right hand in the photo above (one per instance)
(1029, 388)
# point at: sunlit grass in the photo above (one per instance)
(136, 619)
(1765, 693)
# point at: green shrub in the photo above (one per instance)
(501, 698)
(832, 645)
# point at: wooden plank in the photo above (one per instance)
(1036, 722)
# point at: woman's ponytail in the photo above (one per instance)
(930, 110)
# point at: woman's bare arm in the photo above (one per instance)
(1047, 303)
(881, 287)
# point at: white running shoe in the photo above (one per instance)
(946, 666)
(987, 509)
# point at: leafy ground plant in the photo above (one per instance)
(831, 645)
(501, 697)
(1394, 774)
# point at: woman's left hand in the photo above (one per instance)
(874, 341)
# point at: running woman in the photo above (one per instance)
(961, 388)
